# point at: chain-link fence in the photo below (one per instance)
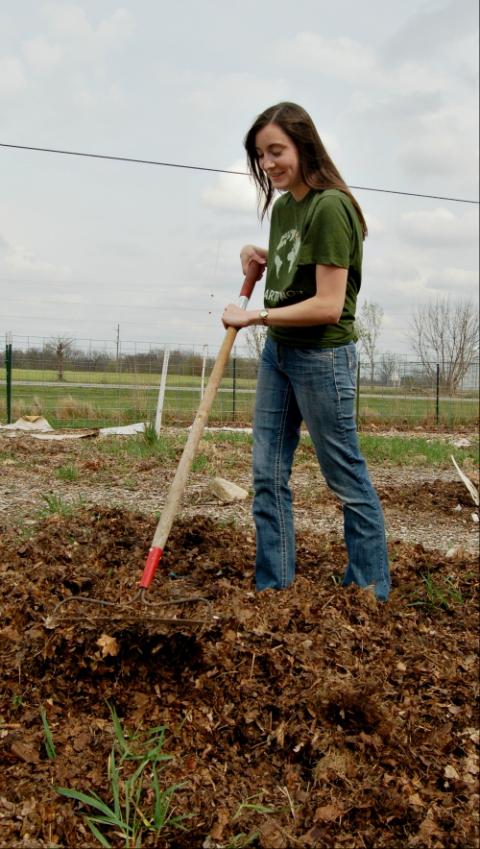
(86, 383)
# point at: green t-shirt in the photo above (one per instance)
(321, 229)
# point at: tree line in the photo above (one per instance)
(443, 334)
(60, 354)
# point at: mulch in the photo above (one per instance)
(313, 717)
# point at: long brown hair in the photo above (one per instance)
(316, 168)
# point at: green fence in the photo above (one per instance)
(107, 388)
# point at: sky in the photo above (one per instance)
(94, 249)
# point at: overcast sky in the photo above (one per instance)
(87, 245)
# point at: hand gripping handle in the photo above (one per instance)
(254, 272)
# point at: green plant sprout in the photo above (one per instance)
(47, 738)
(67, 473)
(438, 595)
(139, 805)
(56, 505)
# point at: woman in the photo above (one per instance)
(308, 366)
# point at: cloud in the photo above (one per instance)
(16, 259)
(376, 225)
(70, 23)
(40, 55)
(232, 192)
(439, 228)
(342, 58)
(460, 282)
(445, 142)
(426, 32)
(91, 96)
(209, 92)
(12, 76)
(114, 32)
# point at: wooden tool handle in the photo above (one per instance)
(177, 486)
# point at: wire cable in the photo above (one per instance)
(213, 170)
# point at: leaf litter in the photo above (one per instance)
(313, 717)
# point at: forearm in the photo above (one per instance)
(306, 313)
(325, 307)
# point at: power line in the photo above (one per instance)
(213, 170)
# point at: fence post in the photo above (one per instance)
(234, 385)
(8, 368)
(161, 393)
(437, 397)
(357, 394)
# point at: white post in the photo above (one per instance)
(202, 382)
(161, 393)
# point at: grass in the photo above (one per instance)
(133, 378)
(137, 805)
(47, 736)
(67, 473)
(442, 594)
(85, 407)
(406, 410)
(396, 450)
(408, 450)
(108, 399)
(54, 505)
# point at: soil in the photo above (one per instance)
(312, 717)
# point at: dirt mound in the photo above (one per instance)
(311, 717)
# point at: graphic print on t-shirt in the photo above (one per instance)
(290, 241)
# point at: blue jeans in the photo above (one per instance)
(316, 385)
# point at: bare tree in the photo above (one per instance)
(368, 326)
(60, 346)
(445, 332)
(388, 368)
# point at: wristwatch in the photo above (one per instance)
(264, 316)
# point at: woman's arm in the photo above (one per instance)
(325, 307)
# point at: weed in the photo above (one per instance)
(437, 595)
(150, 435)
(241, 840)
(257, 807)
(56, 505)
(200, 463)
(138, 804)
(17, 700)
(67, 473)
(72, 409)
(403, 450)
(47, 738)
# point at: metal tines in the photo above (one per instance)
(137, 609)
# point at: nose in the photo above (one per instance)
(268, 163)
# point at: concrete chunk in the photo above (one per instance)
(228, 491)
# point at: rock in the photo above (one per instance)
(228, 491)
(461, 442)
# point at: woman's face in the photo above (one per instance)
(278, 157)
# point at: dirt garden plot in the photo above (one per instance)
(314, 717)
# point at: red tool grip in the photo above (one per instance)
(254, 272)
(151, 564)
